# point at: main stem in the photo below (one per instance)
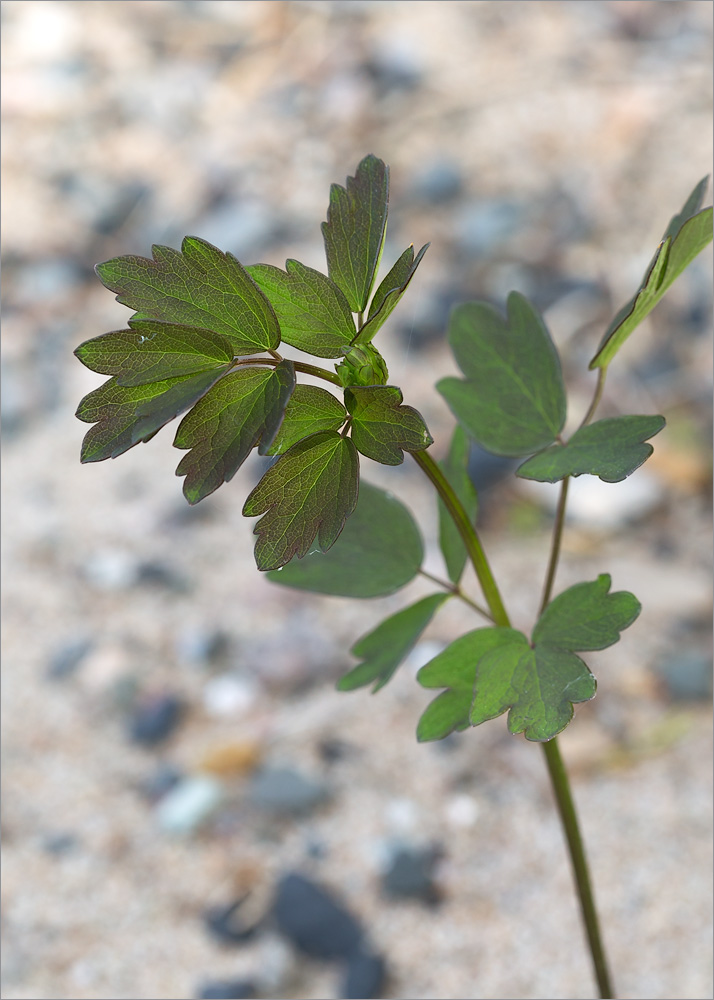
(556, 769)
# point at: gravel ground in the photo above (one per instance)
(540, 146)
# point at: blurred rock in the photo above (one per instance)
(60, 844)
(67, 658)
(364, 977)
(199, 646)
(687, 675)
(161, 781)
(333, 749)
(438, 182)
(484, 224)
(189, 804)
(111, 569)
(226, 989)
(224, 923)
(313, 920)
(155, 718)
(229, 695)
(284, 791)
(153, 573)
(230, 760)
(409, 874)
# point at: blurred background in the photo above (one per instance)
(173, 742)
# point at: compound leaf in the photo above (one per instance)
(354, 230)
(244, 409)
(390, 292)
(196, 286)
(513, 400)
(151, 351)
(586, 616)
(125, 415)
(379, 551)
(383, 649)
(311, 409)
(686, 235)
(538, 684)
(611, 449)
(313, 312)
(455, 669)
(382, 427)
(308, 494)
(456, 469)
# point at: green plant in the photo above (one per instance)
(204, 338)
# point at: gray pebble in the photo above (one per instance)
(313, 921)
(282, 790)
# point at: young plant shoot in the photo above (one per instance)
(204, 343)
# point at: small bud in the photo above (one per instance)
(363, 365)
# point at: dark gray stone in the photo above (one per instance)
(224, 923)
(155, 718)
(227, 989)
(281, 790)
(409, 875)
(313, 921)
(364, 977)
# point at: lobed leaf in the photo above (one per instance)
(538, 685)
(611, 449)
(243, 410)
(125, 415)
(196, 286)
(455, 669)
(587, 616)
(513, 400)
(310, 409)
(308, 494)
(313, 313)
(456, 469)
(686, 236)
(386, 646)
(355, 229)
(151, 351)
(390, 292)
(382, 427)
(379, 551)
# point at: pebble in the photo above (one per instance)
(227, 989)
(284, 791)
(462, 811)
(158, 784)
(189, 804)
(229, 760)
(438, 182)
(364, 977)
(224, 923)
(229, 695)
(198, 646)
(153, 573)
(687, 675)
(313, 920)
(155, 718)
(410, 874)
(67, 658)
(60, 844)
(484, 224)
(111, 569)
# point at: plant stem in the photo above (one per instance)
(555, 545)
(300, 366)
(468, 534)
(556, 768)
(456, 590)
(569, 819)
(602, 372)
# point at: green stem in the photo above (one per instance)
(456, 590)
(569, 819)
(300, 366)
(556, 769)
(602, 372)
(555, 545)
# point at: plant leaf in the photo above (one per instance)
(456, 469)
(390, 292)
(310, 409)
(386, 646)
(379, 551)
(513, 400)
(151, 351)
(538, 684)
(196, 286)
(586, 616)
(354, 230)
(611, 449)
(309, 493)
(244, 409)
(382, 428)
(686, 235)
(314, 314)
(125, 415)
(455, 669)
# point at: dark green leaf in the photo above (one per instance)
(390, 292)
(196, 286)
(125, 415)
(244, 409)
(538, 684)
(586, 616)
(151, 351)
(455, 669)
(314, 314)
(307, 494)
(383, 649)
(355, 228)
(382, 428)
(311, 409)
(456, 470)
(687, 234)
(513, 400)
(379, 551)
(611, 449)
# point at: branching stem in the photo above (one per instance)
(300, 366)
(456, 590)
